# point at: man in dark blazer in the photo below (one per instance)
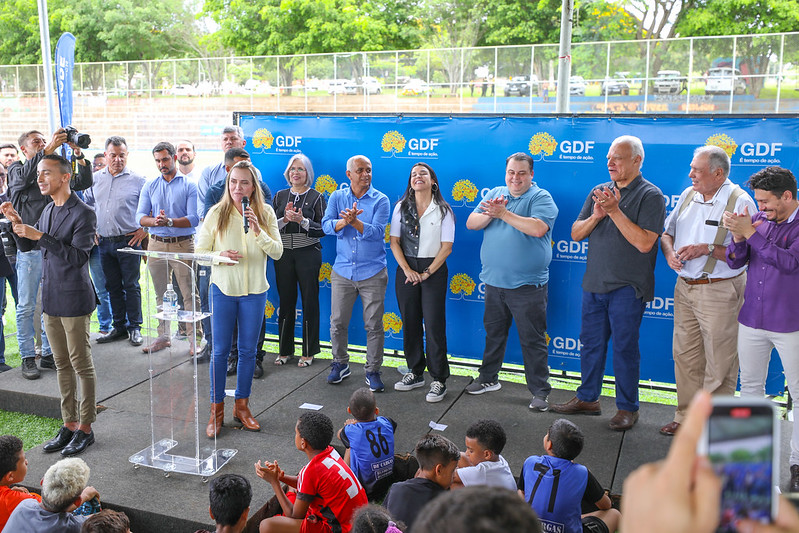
(65, 234)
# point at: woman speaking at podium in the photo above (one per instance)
(241, 227)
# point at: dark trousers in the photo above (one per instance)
(299, 266)
(424, 303)
(616, 317)
(527, 306)
(122, 282)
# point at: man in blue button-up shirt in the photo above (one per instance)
(357, 215)
(168, 206)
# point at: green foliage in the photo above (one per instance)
(603, 21)
(125, 30)
(730, 17)
(522, 22)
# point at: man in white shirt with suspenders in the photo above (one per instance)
(708, 294)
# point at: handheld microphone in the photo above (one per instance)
(245, 203)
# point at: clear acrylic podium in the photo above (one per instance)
(176, 443)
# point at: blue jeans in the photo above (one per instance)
(3, 308)
(612, 316)
(104, 309)
(248, 311)
(29, 277)
(203, 284)
(122, 282)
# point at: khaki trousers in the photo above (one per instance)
(705, 344)
(161, 274)
(69, 339)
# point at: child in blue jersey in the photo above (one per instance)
(557, 488)
(369, 442)
(481, 463)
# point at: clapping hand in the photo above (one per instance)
(292, 214)
(495, 207)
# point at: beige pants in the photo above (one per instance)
(706, 338)
(69, 339)
(161, 274)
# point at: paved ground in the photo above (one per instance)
(180, 503)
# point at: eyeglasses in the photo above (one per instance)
(296, 169)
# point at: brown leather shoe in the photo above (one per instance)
(242, 414)
(157, 345)
(217, 418)
(670, 429)
(623, 420)
(794, 485)
(575, 406)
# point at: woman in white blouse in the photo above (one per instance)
(422, 233)
(238, 291)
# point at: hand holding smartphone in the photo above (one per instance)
(741, 443)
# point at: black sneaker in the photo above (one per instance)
(47, 361)
(437, 392)
(409, 381)
(258, 371)
(29, 368)
(4, 368)
(478, 387)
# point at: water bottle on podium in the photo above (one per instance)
(170, 303)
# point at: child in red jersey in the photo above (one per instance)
(328, 493)
(13, 467)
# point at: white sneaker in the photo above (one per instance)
(409, 381)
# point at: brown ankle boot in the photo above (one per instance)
(217, 417)
(242, 414)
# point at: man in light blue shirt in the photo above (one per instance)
(168, 206)
(517, 225)
(357, 216)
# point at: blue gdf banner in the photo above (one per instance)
(64, 66)
(468, 154)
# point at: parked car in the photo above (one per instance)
(342, 87)
(521, 86)
(618, 85)
(668, 82)
(724, 80)
(371, 85)
(577, 86)
(183, 90)
(415, 87)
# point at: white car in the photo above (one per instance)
(416, 87)
(577, 86)
(724, 80)
(668, 82)
(371, 85)
(183, 90)
(342, 87)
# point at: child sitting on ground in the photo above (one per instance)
(106, 521)
(64, 489)
(325, 485)
(369, 441)
(13, 468)
(481, 463)
(556, 487)
(230, 496)
(438, 458)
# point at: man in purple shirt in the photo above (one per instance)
(769, 318)
(168, 206)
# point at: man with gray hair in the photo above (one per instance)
(64, 489)
(357, 216)
(622, 220)
(708, 294)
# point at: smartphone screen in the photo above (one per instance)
(741, 447)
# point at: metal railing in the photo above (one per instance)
(607, 77)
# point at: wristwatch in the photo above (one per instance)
(427, 271)
(169, 222)
(710, 248)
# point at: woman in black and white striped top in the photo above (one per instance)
(299, 211)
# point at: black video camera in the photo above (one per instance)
(81, 140)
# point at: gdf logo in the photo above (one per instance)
(288, 141)
(422, 144)
(576, 147)
(572, 247)
(567, 343)
(761, 149)
(661, 304)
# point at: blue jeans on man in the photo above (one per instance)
(122, 273)
(104, 315)
(29, 278)
(614, 316)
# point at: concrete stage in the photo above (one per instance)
(179, 503)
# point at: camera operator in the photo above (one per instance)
(29, 202)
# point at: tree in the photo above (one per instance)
(730, 17)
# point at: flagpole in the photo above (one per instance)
(44, 33)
